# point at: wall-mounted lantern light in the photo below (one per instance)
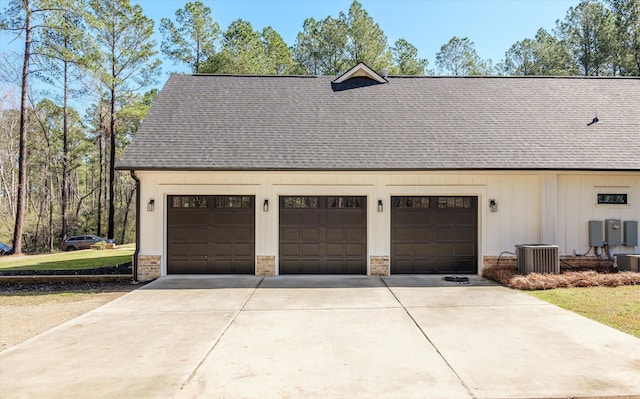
(151, 204)
(380, 206)
(265, 205)
(493, 205)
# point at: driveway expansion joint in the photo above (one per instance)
(219, 338)
(424, 334)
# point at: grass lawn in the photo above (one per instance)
(618, 307)
(74, 260)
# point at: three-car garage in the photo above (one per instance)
(216, 234)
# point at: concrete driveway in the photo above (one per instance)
(324, 337)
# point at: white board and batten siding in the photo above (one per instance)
(533, 207)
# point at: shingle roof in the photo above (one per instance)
(213, 122)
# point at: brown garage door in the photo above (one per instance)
(434, 235)
(211, 234)
(323, 235)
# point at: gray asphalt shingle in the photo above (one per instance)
(213, 122)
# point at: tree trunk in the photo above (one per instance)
(112, 163)
(22, 153)
(99, 224)
(64, 194)
(126, 215)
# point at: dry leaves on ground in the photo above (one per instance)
(507, 276)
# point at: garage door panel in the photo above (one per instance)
(465, 250)
(289, 234)
(310, 218)
(290, 219)
(403, 265)
(434, 235)
(355, 235)
(357, 219)
(310, 249)
(241, 249)
(180, 233)
(242, 234)
(404, 218)
(465, 234)
(444, 234)
(403, 249)
(355, 250)
(402, 233)
(195, 218)
(181, 250)
(309, 234)
(221, 250)
(329, 233)
(210, 234)
(334, 234)
(292, 249)
(335, 218)
(335, 249)
(421, 250)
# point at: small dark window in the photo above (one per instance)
(299, 202)
(189, 202)
(411, 202)
(614, 199)
(454, 202)
(233, 202)
(344, 202)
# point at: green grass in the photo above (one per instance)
(617, 307)
(74, 260)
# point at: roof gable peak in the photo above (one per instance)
(360, 70)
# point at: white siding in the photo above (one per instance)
(577, 205)
(533, 207)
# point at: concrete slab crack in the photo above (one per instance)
(224, 331)
(424, 334)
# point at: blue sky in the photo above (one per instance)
(493, 25)
(427, 24)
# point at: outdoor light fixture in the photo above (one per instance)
(265, 205)
(151, 205)
(493, 205)
(379, 205)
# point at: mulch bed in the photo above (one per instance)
(125, 268)
(53, 281)
(51, 287)
(507, 276)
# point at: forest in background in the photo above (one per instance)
(99, 63)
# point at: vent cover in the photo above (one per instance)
(538, 258)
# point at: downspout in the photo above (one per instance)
(137, 251)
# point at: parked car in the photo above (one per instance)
(5, 249)
(83, 242)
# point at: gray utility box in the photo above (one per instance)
(630, 233)
(595, 233)
(613, 232)
(538, 258)
(629, 263)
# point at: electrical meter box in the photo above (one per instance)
(613, 232)
(630, 233)
(595, 233)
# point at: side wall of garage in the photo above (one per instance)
(512, 207)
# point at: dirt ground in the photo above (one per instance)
(28, 310)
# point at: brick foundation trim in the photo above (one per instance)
(567, 263)
(380, 266)
(149, 267)
(266, 266)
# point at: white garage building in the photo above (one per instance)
(376, 175)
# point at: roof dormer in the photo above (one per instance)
(360, 70)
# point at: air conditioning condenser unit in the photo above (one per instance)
(538, 258)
